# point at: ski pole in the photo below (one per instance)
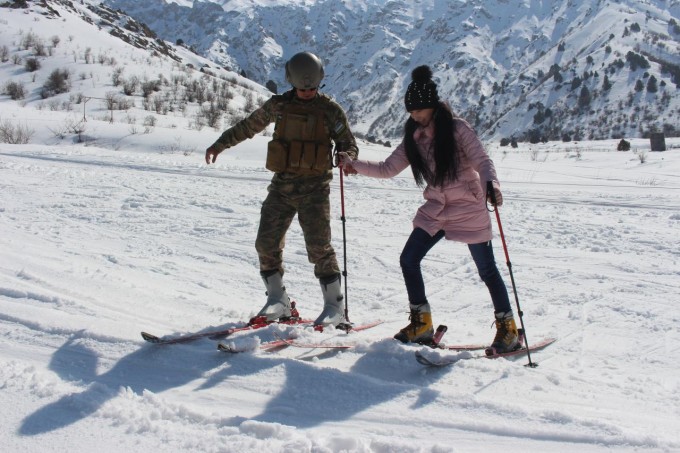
(491, 194)
(338, 164)
(344, 238)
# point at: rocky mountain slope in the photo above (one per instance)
(514, 68)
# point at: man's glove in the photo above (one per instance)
(344, 161)
(211, 154)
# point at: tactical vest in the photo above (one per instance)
(302, 145)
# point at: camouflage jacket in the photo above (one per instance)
(336, 123)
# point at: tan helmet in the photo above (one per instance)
(304, 70)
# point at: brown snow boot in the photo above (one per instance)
(420, 329)
(507, 337)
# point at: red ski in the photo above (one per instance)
(254, 323)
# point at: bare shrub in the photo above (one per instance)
(58, 82)
(125, 103)
(32, 64)
(149, 123)
(29, 40)
(130, 85)
(198, 123)
(39, 49)
(159, 105)
(15, 90)
(172, 147)
(211, 114)
(117, 76)
(15, 134)
(4, 54)
(77, 127)
(149, 87)
(77, 98)
(652, 182)
(70, 126)
(250, 102)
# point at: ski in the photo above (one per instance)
(254, 323)
(456, 347)
(218, 333)
(459, 347)
(282, 342)
(185, 338)
(299, 344)
(446, 361)
(435, 343)
(266, 346)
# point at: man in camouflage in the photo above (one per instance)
(306, 122)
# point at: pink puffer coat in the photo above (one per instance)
(459, 208)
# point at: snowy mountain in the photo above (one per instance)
(514, 68)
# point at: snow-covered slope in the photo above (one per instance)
(84, 61)
(99, 244)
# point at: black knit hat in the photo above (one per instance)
(422, 91)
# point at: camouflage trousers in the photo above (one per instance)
(308, 197)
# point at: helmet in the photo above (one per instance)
(304, 70)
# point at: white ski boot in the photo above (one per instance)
(333, 313)
(278, 303)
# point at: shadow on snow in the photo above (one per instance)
(309, 394)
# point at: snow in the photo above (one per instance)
(98, 245)
(129, 232)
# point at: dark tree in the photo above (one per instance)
(652, 86)
(584, 97)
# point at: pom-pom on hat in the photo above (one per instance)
(422, 91)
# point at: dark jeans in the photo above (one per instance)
(417, 246)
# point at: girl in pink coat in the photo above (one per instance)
(446, 157)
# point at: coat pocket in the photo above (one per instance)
(474, 188)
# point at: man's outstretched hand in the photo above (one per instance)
(211, 155)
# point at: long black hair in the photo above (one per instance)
(446, 153)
